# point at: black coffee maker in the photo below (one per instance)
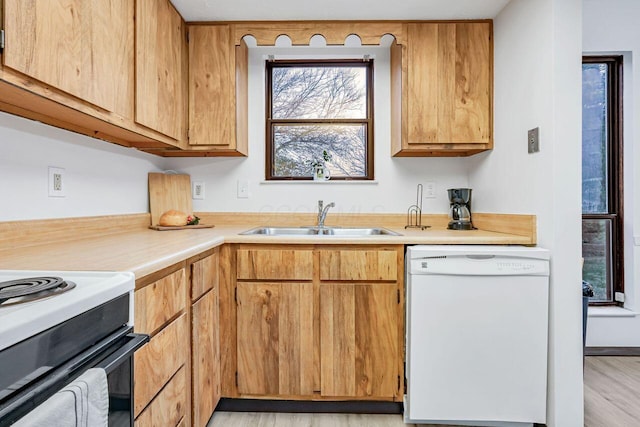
(460, 209)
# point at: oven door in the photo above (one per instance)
(114, 354)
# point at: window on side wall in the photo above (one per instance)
(319, 110)
(602, 230)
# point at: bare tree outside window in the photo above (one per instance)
(314, 107)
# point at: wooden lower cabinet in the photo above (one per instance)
(334, 336)
(205, 358)
(359, 339)
(169, 406)
(158, 360)
(275, 338)
(205, 341)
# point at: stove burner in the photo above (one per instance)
(33, 288)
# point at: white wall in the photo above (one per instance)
(537, 84)
(611, 26)
(100, 178)
(394, 189)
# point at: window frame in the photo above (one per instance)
(614, 172)
(271, 123)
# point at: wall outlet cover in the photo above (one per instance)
(56, 182)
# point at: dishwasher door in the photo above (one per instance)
(477, 326)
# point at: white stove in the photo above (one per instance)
(21, 320)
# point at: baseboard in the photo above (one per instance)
(258, 405)
(612, 351)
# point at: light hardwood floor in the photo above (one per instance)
(611, 399)
(257, 419)
(612, 391)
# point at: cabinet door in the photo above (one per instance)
(205, 361)
(217, 89)
(160, 46)
(449, 79)
(81, 47)
(359, 340)
(212, 77)
(275, 338)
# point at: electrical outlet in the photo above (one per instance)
(197, 190)
(56, 182)
(533, 140)
(430, 190)
(243, 189)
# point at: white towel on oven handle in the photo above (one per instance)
(82, 403)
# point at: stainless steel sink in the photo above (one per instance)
(321, 231)
(361, 232)
(282, 231)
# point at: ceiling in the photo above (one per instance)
(248, 10)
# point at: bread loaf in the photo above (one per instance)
(173, 218)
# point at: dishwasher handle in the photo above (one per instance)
(479, 265)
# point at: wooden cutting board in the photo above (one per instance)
(169, 191)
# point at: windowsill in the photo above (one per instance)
(311, 182)
(596, 311)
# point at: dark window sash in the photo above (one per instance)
(615, 168)
(272, 123)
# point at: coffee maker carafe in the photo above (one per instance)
(460, 209)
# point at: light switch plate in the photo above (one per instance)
(430, 190)
(243, 189)
(533, 140)
(197, 190)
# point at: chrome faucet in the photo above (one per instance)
(322, 212)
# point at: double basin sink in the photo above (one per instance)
(320, 231)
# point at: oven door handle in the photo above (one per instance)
(39, 391)
(136, 341)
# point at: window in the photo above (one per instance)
(602, 242)
(318, 106)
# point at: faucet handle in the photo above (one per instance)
(320, 205)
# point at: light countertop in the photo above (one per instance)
(145, 251)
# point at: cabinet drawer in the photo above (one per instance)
(204, 276)
(274, 264)
(159, 359)
(159, 302)
(358, 265)
(168, 408)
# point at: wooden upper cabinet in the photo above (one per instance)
(442, 84)
(161, 61)
(217, 91)
(81, 47)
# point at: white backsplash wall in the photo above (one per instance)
(394, 189)
(99, 178)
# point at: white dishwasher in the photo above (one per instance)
(477, 326)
